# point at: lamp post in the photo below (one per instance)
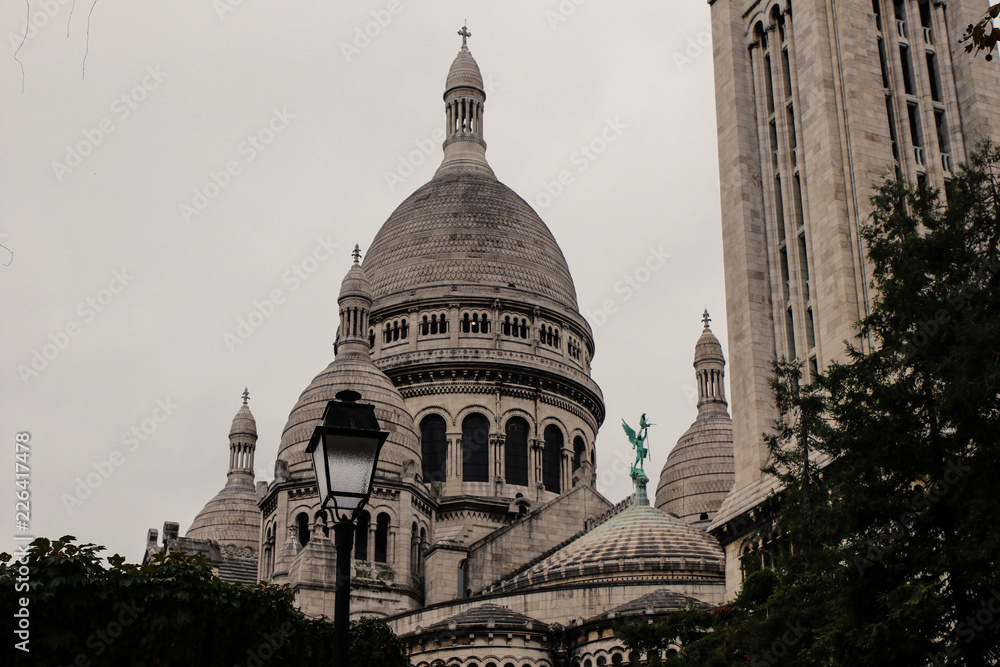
(345, 450)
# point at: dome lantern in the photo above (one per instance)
(464, 100)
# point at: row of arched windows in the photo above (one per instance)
(516, 327)
(548, 336)
(361, 547)
(476, 323)
(574, 349)
(475, 450)
(395, 330)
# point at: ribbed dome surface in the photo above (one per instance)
(359, 374)
(708, 348)
(355, 283)
(641, 541)
(490, 616)
(244, 423)
(467, 229)
(464, 72)
(232, 516)
(700, 470)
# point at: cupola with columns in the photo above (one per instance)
(700, 471)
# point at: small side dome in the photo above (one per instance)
(464, 72)
(356, 282)
(243, 422)
(700, 471)
(708, 347)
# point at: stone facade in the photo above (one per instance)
(816, 103)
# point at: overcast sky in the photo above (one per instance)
(215, 151)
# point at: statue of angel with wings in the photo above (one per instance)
(638, 441)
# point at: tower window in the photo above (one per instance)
(475, 448)
(578, 452)
(434, 447)
(552, 458)
(302, 523)
(361, 536)
(516, 452)
(382, 538)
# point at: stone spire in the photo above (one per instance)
(355, 303)
(709, 368)
(464, 97)
(243, 441)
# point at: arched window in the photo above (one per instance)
(434, 324)
(434, 447)
(423, 549)
(616, 659)
(414, 549)
(466, 324)
(425, 327)
(578, 452)
(371, 338)
(505, 329)
(382, 538)
(302, 522)
(361, 536)
(475, 449)
(515, 459)
(551, 456)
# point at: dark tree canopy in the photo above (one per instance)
(172, 611)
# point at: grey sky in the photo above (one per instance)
(315, 132)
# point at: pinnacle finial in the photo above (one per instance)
(705, 318)
(464, 32)
(246, 395)
(356, 253)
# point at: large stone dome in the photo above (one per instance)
(231, 517)
(641, 544)
(468, 229)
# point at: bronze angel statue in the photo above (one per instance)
(638, 441)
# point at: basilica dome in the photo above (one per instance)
(468, 229)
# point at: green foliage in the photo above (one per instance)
(374, 644)
(983, 36)
(171, 611)
(889, 463)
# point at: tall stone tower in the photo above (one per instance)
(816, 103)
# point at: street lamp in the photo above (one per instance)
(345, 450)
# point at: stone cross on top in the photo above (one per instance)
(356, 253)
(464, 32)
(705, 318)
(246, 395)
